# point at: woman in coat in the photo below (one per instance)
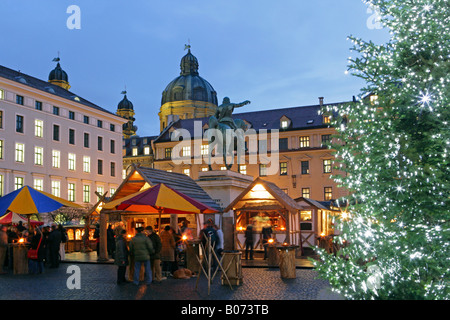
(167, 250)
(121, 257)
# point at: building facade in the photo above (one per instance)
(55, 141)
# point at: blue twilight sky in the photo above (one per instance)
(279, 53)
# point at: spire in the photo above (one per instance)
(189, 63)
(58, 76)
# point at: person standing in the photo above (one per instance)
(167, 250)
(54, 241)
(155, 259)
(141, 248)
(219, 244)
(62, 246)
(249, 242)
(3, 247)
(121, 257)
(110, 241)
(266, 235)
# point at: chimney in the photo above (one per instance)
(321, 101)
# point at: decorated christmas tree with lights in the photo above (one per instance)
(392, 156)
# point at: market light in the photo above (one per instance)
(184, 237)
(270, 241)
(21, 240)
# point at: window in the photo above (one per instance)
(56, 111)
(2, 94)
(19, 124)
(167, 153)
(283, 168)
(20, 152)
(243, 168)
(100, 123)
(100, 166)
(204, 149)
(56, 159)
(38, 105)
(71, 136)
(72, 161)
(38, 155)
(187, 171)
(86, 119)
(1, 149)
(112, 146)
(204, 169)
(18, 183)
(304, 142)
(223, 168)
(284, 124)
(100, 190)
(86, 193)
(326, 139)
(262, 170)
(71, 192)
(283, 144)
(86, 164)
(147, 150)
(305, 167)
(134, 152)
(1, 119)
(306, 193)
(306, 220)
(100, 143)
(38, 184)
(38, 128)
(326, 119)
(71, 115)
(327, 193)
(327, 166)
(112, 191)
(86, 140)
(56, 188)
(112, 127)
(19, 99)
(186, 151)
(55, 132)
(113, 169)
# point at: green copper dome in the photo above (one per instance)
(189, 85)
(58, 74)
(125, 104)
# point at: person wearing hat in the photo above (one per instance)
(141, 248)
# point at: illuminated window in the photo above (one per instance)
(243, 168)
(134, 152)
(167, 153)
(38, 184)
(305, 220)
(100, 190)
(204, 169)
(326, 119)
(327, 166)
(284, 124)
(86, 164)
(72, 161)
(2, 94)
(86, 193)
(38, 155)
(1, 185)
(56, 159)
(262, 170)
(304, 142)
(146, 150)
(327, 193)
(1, 149)
(186, 151)
(306, 193)
(204, 150)
(187, 172)
(223, 168)
(283, 168)
(38, 128)
(71, 192)
(20, 152)
(18, 182)
(56, 188)
(112, 191)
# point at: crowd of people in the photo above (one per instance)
(49, 241)
(161, 255)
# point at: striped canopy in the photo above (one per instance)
(14, 218)
(27, 200)
(157, 199)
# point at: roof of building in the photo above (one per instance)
(125, 104)
(177, 181)
(139, 143)
(58, 74)
(47, 87)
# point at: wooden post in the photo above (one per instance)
(287, 261)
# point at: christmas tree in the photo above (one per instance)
(391, 150)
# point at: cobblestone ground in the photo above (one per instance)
(97, 282)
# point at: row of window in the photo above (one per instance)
(38, 184)
(19, 156)
(56, 111)
(39, 132)
(304, 168)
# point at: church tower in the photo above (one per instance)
(58, 76)
(187, 96)
(125, 110)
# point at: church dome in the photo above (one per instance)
(189, 85)
(58, 74)
(125, 104)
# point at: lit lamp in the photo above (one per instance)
(21, 240)
(270, 241)
(184, 237)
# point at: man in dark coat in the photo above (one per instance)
(155, 259)
(121, 257)
(54, 241)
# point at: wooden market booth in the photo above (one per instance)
(264, 204)
(316, 222)
(141, 178)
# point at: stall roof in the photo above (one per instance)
(274, 191)
(324, 205)
(140, 176)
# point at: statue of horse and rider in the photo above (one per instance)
(231, 131)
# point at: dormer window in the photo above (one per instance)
(285, 123)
